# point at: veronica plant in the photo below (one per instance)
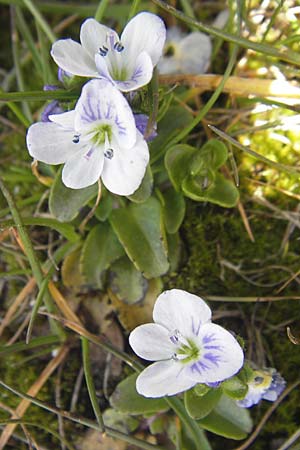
(265, 384)
(185, 53)
(125, 61)
(188, 348)
(98, 138)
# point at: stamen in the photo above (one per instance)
(175, 337)
(118, 46)
(109, 153)
(89, 153)
(103, 50)
(76, 138)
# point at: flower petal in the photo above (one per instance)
(102, 68)
(66, 119)
(195, 53)
(221, 356)
(144, 32)
(83, 168)
(182, 311)
(101, 101)
(152, 342)
(73, 58)
(50, 143)
(93, 36)
(124, 172)
(141, 74)
(163, 378)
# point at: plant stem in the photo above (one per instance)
(83, 421)
(31, 255)
(195, 430)
(38, 95)
(40, 20)
(134, 8)
(281, 54)
(101, 10)
(90, 383)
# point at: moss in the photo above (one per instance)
(22, 377)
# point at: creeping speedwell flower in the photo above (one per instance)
(188, 348)
(98, 138)
(185, 53)
(127, 62)
(265, 384)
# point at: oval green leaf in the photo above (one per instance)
(139, 229)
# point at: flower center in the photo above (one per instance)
(101, 134)
(186, 349)
(112, 48)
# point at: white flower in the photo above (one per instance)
(185, 53)
(188, 348)
(127, 61)
(98, 138)
(265, 384)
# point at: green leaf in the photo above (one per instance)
(126, 399)
(104, 208)
(64, 229)
(178, 163)
(186, 443)
(228, 420)
(145, 189)
(221, 191)
(100, 249)
(213, 154)
(234, 388)
(173, 210)
(138, 227)
(199, 407)
(65, 203)
(171, 124)
(127, 282)
(174, 250)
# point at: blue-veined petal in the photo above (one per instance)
(72, 57)
(152, 342)
(124, 171)
(83, 168)
(179, 310)
(65, 119)
(93, 36)
(144, 32)
(100, 102)
(163, 378)
(50, 143)
(220, 357)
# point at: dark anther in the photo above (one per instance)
(76, 138)
(109, 153)
(118, 47)
(103, 50)
(258, 380)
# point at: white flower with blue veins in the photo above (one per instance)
(126, 61)
(265, 384)
(98, 138)
(185, 53)
(187, 347)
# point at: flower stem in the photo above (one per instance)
(83, 421)
(32, 257)
(90, 383)
(197, 433)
